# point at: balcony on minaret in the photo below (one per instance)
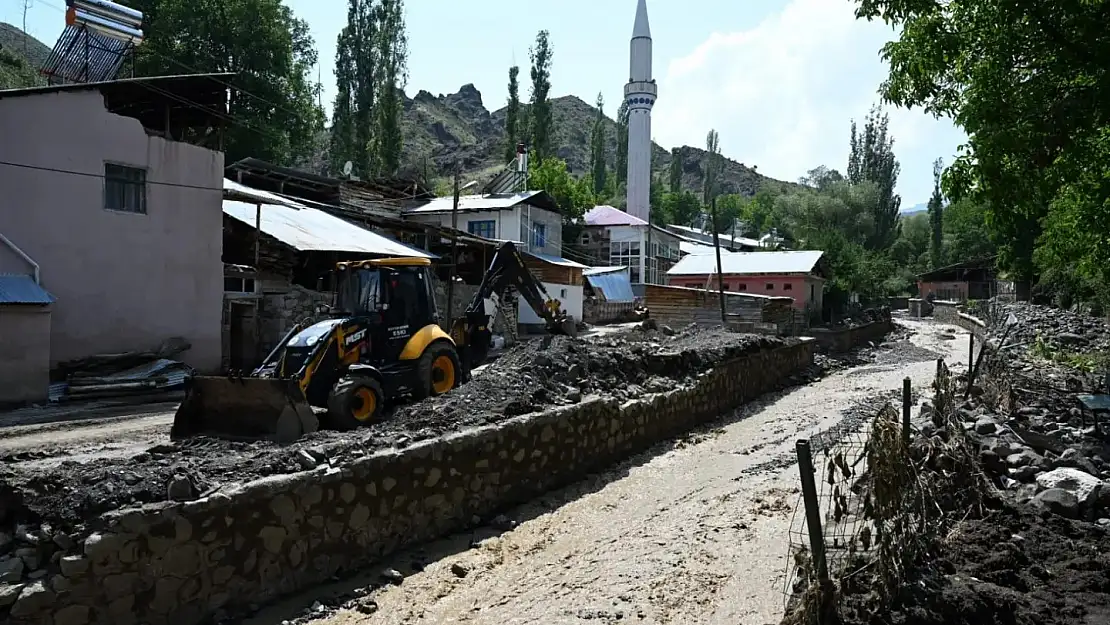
(640, 94)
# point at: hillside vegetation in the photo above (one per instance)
(21, 55)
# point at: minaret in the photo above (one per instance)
(640, 94)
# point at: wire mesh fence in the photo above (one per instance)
(875, 503)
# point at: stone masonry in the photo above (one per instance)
(183, 563)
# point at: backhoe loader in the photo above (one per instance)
(382, 342)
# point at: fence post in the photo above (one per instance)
(907, 402)
(813, 510)
(970, 350)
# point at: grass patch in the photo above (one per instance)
(1089, 362)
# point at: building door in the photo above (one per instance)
(242, 355)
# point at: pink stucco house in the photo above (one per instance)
(112, 201)
(795, 274)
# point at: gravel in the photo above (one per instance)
(534, 375)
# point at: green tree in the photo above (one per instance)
(675, 171)
(936, 218)
(391, 45)
(539, 106)
(966, 234)
(1028, 83)
(622, 143)
(871, 159)
(513, 135)
(712, 166)
(730, 209)
(356, 73)
(598, 143)
(681, 208)
(273, 109)
(551, 175)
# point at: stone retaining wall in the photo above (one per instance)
(845, 339)
(945, 311)
(182, 563)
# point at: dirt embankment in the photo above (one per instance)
(535, 375)
(1039, 554)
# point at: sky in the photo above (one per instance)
(780, 80)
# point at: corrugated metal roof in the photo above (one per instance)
(22, 289)
(310, 230)
(689, 247)
(747, 263)
(242, 193)
(593, 271)
(557, 260)
(610, 216)
(614, 285)
(471, 203)
(724, 238)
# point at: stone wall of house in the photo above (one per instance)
(844, 339)
(281, 311)
(185, 563)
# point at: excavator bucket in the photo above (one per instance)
(244, 408)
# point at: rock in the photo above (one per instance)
(1024, 474)
(1058, 501)
(459, 570)
(667, 330)
(11, 569)
(34, 598)
(64, 541)
(393, 576)
(1025, 457)
(9, 593)
(985, 426)
(72, 615)
(72, 566)
(30, 557)
(180, 489)
(1083, 485)
(1070, 338)
(5, 541)
(306, 460)
(503, 523)
(366, 606)
(992, 462)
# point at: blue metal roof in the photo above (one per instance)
(22, 289)
(614, 285)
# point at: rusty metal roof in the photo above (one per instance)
(22, 289)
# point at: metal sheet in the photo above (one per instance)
(556, 260)
(22, 289)
(609, 216)
(733, 263)
(311, 230)
(1095, 403)
(471, 203)
(614, 285)
(240, 192)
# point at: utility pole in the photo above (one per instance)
(454, 250)
(717, 247)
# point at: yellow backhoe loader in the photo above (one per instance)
(382, 342)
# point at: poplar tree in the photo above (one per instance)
(540, 106)
(597, 148)
(512, 114)
(936, 218)
(622, 143)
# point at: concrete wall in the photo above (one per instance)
(24, 354)
(844, 339)
(123, 281)
(181, 563)
(568, 294)
(946, 311)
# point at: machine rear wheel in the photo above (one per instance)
(355, 401)
(439, 369)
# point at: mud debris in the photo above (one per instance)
(534, 375)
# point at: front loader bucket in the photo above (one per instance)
(244, 408)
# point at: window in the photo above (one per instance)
(234, 284)
(786, 286)
(486, 228)
(770, 286)
(539, 235)
(124, 188)
(743, 286)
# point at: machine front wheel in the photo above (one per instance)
(439, 369)
(355, 401)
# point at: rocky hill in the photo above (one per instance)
(443, 128)
(20, 57)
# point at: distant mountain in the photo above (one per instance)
(444, 128)
(21, 56)
(915, 209)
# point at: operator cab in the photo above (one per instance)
(394, 298)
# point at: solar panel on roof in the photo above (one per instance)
(98, 37)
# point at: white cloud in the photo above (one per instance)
(782, 96)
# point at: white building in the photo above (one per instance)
(639, 94)
(531, 218)
(615, 238)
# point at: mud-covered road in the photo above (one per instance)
(695, 531)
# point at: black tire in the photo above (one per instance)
(431, 377)
(347, 402)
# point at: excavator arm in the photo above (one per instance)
(507, 269)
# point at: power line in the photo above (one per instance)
(104, 177)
